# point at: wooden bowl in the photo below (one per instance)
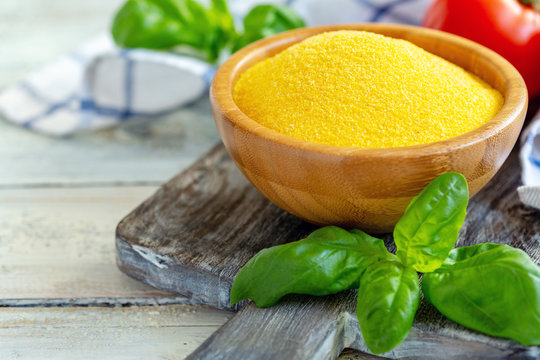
(356, 187)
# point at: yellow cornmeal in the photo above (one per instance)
(353, 88)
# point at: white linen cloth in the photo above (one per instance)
(99, 85)
(529, 192)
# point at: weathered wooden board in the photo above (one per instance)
(193, 235)
(146, 332)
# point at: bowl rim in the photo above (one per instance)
(515, 97)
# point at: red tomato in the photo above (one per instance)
(506, 26)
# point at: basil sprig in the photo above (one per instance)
(476, 286)
(167, 24)
(163, 24)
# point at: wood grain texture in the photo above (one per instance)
(56, 248)
(147, 332)
(351, 354)
(308, 328)
(367, 188)
(196, 232)
(137, 152)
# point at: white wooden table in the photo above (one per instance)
(61, 295)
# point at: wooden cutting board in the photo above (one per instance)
(194, 234)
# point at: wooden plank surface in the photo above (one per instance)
(70, 231)
(195, 233)
(148, 332)
(301, 327)
(192, 237)
(139, 151)
(56, 246)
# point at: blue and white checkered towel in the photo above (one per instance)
(100, 85)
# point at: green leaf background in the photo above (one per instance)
(169, 24)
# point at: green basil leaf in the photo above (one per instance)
(429, 228)
(328, 261)
(164, 24)
(491, 288)
(223, 32)
(267, 20)
(221, 17)
(153, 24)
(388, 298)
